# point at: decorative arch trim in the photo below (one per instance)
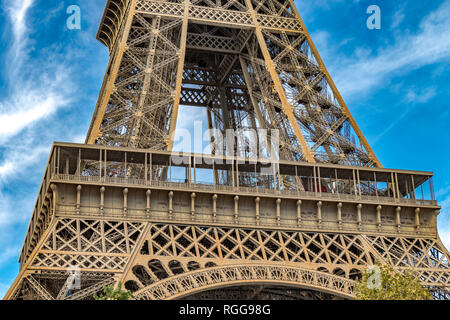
(226, 276)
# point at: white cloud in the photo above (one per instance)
(20, 159)
(37, 89)
(420, 96)
(23, 110)
(398, 17)
(17, 12)
(430, 45)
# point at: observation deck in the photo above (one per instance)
(99, 181)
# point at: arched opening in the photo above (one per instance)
(355, 274)
(176, 267)
(158, 269)
(210, 265)
(339, 272)
(323, 269)
(142, 275)
(192, 266)
(131, 285)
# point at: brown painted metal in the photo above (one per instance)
(119, 209)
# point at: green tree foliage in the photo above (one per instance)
(110, 293)
(384, 283)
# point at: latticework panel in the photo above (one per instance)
(139, 109)
(54, 285)
(424, 256)
(264, 245)
(88, 244)
(267, 75)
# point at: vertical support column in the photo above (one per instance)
(333, 87)
(257, 202)
(94, 130)
(147, 207)
(102, 233)
(214, 213)
(125, 202)
(339, 215)
(417, 219)
(236, 209)
(102, 200)
(151, 49)
(254, 102)
(397, 218)
(193, 196)
(179, 78)
(100, 168)
(319, 214)
(278, 202)
(359, 215)
(270, 66)
(171, 205)
(299, 213)
(78, 206)
(54, 188)
(379, 208)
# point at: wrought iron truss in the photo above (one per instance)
(120, 208)
(251, 64)
(119, 220)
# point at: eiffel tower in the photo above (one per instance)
(231, 224)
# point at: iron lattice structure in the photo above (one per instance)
(121, 208)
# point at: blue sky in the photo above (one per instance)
(396, 82)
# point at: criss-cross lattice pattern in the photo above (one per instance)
(425, 256)
(275, 246)
(88, 244)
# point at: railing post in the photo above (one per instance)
(102, 200)
(417, 219)
(339, 215)
(397, 218)
(299, 213)
(319, 214)
(78, 199)
(359, 216)
(54, 188)
(125, 202)
(193, 196)
(147, 208)
(257, 201)
(171, 205)
(236, 209)
(214, 212)
(379, 217)
(278, 202)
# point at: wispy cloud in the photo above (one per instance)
(33, 95)
(17, 13)
(412, 99)
(30, 105)
(39, 82)
(37, 88)
(367, 69)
